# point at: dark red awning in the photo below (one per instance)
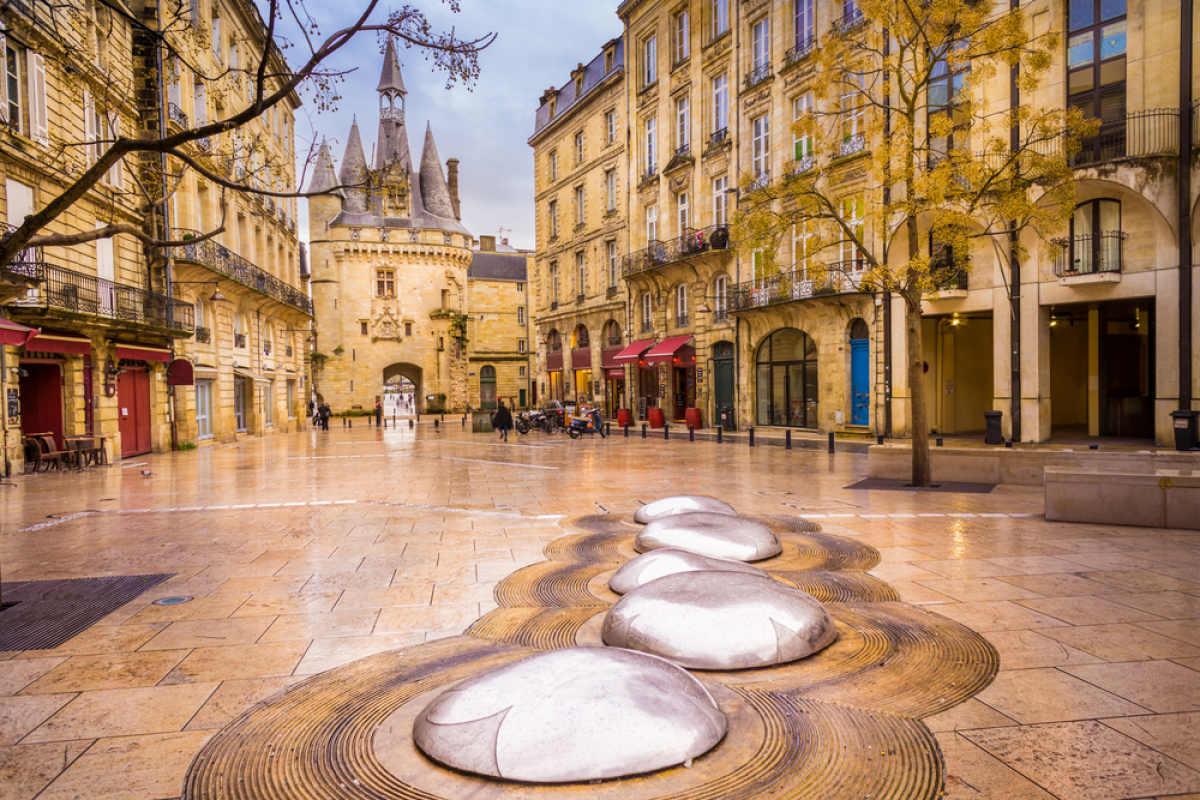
(607, 355)
(581, 358)
(665, 350)
(633, 352)
(554, 361)
(57, 342)
(15, 335)
(181, 373)
(142, 352)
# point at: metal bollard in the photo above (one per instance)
(626, 428)
(787, 440)
(464, 423)
(751, 430)
(666, 432)
(939, 441)
(351, 425)
(879, 439)
(831, 441)
(719, 434)
(691, 433)
(410, 423)
(1008, 444)
(643, 430)
(443, 416)
(607, 429)
(1093, 447)
(435, 423)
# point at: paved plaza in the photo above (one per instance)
(306, 552)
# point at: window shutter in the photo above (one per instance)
(91, 149)
(3, 74)
(116, 175)
(37, 98)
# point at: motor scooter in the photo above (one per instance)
(588, 422)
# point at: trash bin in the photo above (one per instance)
(1187, 436)
(994, 435)
(726, 418)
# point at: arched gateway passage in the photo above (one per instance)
(402, 390)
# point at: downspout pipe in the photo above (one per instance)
(168, 275)
(1014, 265)
(1185, 206)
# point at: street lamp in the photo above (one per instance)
(217, 297)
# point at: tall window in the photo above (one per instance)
(580, 275)
(682, 40)
(1096, 64)
(14, 74)
(802, 146)
(610, 190)
(681, 305)
(520, 315)
(721, 298)
(720, 188)
(760, 38)
(552, 218)
(801, 249)
(579, 148)
(385, 283)
(853, 111)
(1096, 237)
(647, 312)
(610, 127)
(269, 403)
(650, 61)
(720, 12)
(651, 146)
(683, 124)
(25, 82)
(720, 86)
(204, 410)
(580, 216)
(216, 35)
(651, 223)
(682, 205)
(553, 164)
(760, 150)
(945, 100)
(852, 212)
(554, 281)
(611, 260)
(804, 15)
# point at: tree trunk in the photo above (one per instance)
(918, 422)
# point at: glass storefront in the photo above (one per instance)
(786, 377)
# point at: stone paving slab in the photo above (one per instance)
(308, 551)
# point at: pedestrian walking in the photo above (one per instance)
(325, 415)
(502, 420)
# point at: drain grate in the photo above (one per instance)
(47, 613)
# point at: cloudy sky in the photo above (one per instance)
(539, 42)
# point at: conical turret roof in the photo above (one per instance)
(435, 192)
(354, 171)
(323, 178)
(391, 80)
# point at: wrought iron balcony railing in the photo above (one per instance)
(704, 240)
(800, 166)
(684, 149)
(851, 144)
(67, 290)
(681, 320)
(1090, 255)
(761, 181)
(204, 335)
(786, 287)
(718, 136)
(239, 340)
(721, 314)
(175, 114)
(29, 263)
(647, 326)
(216, 257)
(803, 47)
(852, 16)
(1140, 134)
(758, 74)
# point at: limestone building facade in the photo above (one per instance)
(499, 328)
(389, 260)
(1093, 336)
(119, 330)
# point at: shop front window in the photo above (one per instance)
(786, 378)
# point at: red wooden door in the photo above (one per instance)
(42, 400)
(133, 398)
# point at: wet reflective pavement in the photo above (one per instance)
(308, 551)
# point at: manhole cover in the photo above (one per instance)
(172, 601)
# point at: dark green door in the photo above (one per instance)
(723, 374)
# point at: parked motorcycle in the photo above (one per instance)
(588, 422)
(536, 419)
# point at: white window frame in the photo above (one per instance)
(721, 296)
(720, 12)
(553, 159)
(649, 60)
(683, 123)
(760, 38)
(611, 257)
(760, 150)
(554, 281)
(720, 87)
(801, 251)
(681, 305)
(579, 150)
(647, 312)
(804, 19)
(683, 44)
(610, 127)
(610, 184)
(720, 193)
(580, 206)
(683, 209)
(552, 217)
(520, 315)
(580, 274)
(651, 146)
(652, 223)
(802, 146)
(216, 38)
(853, 214)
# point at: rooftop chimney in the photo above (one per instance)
(487, 244)
(452, 181)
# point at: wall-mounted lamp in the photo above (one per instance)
(312, 335)
(217, 297)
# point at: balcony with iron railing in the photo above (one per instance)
(204, 335)
(852, 16)
(718, 137)
(175, 114)
(801, 49)
(721, 314)
(239, 340)
(1139, 134)
(681, 320)
(838, 278)
(758, 75)
(714, 238)
(647, 326)
(852, 144)
(28, 264)
(799, 166)
(1099, 255)
(216, 257)
(77, 293)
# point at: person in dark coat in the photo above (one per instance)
(325, 413)
(502, 420)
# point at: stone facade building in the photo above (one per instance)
(499, 328)
(391, 275)
(120, 345)
(1093, 336)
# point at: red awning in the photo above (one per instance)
(181, 373)
(142, 352)
(615, 373)
(633, 352)
(665, 350)
(56, 342)
(15, 335)
(607, 355)
(581, 358)
(554, 361)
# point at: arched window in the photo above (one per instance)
(1096, 237)
(720, 298)
(487, 387)
(786, 372)
(859, 330)
(240, 329)
(582, 339)
(553, 342)
(612, 333)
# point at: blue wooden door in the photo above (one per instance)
(860, 382)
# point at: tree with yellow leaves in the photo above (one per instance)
(912, 155)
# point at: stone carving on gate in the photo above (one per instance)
(386, 327)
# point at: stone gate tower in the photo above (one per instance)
(389, 259)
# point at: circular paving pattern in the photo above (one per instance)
(842, 723)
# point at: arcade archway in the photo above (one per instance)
(402, 390)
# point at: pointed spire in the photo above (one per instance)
(323, 178)
(434, 190)
(391, 81)
(354, 171)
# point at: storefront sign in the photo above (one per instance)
(14, 407)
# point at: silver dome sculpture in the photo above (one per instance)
(714, 535)
(681, 504)
(671, 561)
(578, 714)
(720, 621)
